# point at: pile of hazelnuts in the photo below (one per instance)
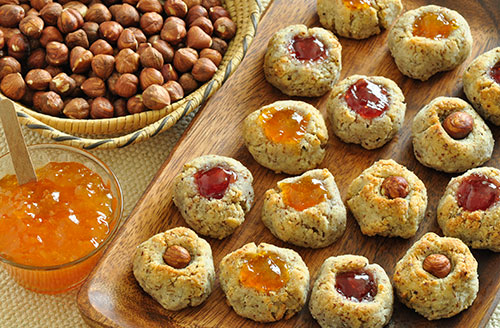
(108, 58)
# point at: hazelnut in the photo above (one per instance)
(135, 105)
(150, 76)
(151, 57)
(53, 70)
(195, 12)
(39, 4)
(77, 38)
(51, 12)
(198, 39)
(211, 3)
(458, 125)
(50, 33)
(2, 40)
(78, 6)
(188, 83)
(101, 47)
(211, 54)
(438, 265)
(155, 97)
(126, 85)
(31, 26)
(11, 15)
(127, 15)
(219, 45)
(94, 87)
(114, 8)
(9, 65)
(37, 59)
(139, 35)
(9, 32)
(217, 12)
(51, 103)
(80, 60)
(131, 2)
(103, 65)
(169, 73)
(203, 69)
(13, 86)
(101, 108)
(145, 6)
(395, 187)
(111, 82)
(177, 20)
(184, 59)
(177, 257)
(98, 13)
(176, 8)
(30, 11)
(174, 90)
(173, 31)
(38, 79)
(166, 50)
(225, 28)
(92, 31)
(79, 79)
(70, 20)
(120, 106)
(205, 24)
(77, 108)
(142, 47)
(110, 30)
(18, 47)
(151, 23)
(63, 84)
(127, 61)
(127, 40)
(192, 3)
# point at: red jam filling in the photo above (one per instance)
(433, 26)
(213, 183)
(357, 286)
(357, 4)
(283, 125)
(367, 99)
(307, 49)
(495, 72)
(264, 272)
(305, 193)
(477, 192)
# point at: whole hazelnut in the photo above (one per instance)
(151, 23)
(395, 187)
(151, 57)
(192, 3)
(31, 26)
(36, 59)
(80, 60)
(63, 84)
(176, 8)
(101, 108)
(219, 45)
(139, 35)
(458, 125)
(174, 90)
(184, 59)
(145, 6)
(142, 47)
(188, 83)
(101, 47)
(51, 12)
(110, 30)
(211, 3)
(77, 38)
(9, 65)
(438, 265)
(111, 82)
(70, 20)
(169, 73)
(173, 31)
(18, 47)
(127, 15)
(9, 33)
(217, 12)
(166, 50)
(51, 103)
(78, 6)
(50, 33)
(11, 15)
(38, 79)
(92, 31)
(114, 8)
(77, 108)
(203, 69)
(53, 70)
(94, 87)
(127, 61)
(211, 54)
(103, 65)
(195, 12)
(198, 39)
(13, 86)
(39, 4)
(155, 97)
(120, 106)
(177, 257)
(127, 40)
(98, 13)
(205, 24)
(30, 11)
(135, 105)
(150, 76)
(224, 28)
(126, 85)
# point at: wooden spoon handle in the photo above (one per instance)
(15, 141)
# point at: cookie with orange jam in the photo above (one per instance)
(264, 283)
(350, 292)
(366, 110)
(213, 194)
(428, 40)
(286, 136)
(306, 210)
(358, 19)
(303, 61)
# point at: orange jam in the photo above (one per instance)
(265, 272)
(304, 193)
(58, 219)
(357, 4)
(433, 26)
(283, 125)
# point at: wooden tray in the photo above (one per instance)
(112, 298)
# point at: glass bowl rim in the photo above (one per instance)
(112, 233)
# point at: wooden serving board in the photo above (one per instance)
(112, 298)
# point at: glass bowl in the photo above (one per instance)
(63, 277)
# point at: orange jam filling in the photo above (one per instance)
(58, 219)
(433, 26)
(283, 125)
(304, 193)
(265, 272)
(357, 4)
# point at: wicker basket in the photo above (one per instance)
(130, 129)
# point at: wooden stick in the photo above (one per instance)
(15, 141)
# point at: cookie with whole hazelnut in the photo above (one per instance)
(358, 19)
(176, 268)
(469, 208)
(350, 292)
(303, 61)
(213, 194)
(448, 135)
(437, 277)
(482, 85)
(388, 200)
